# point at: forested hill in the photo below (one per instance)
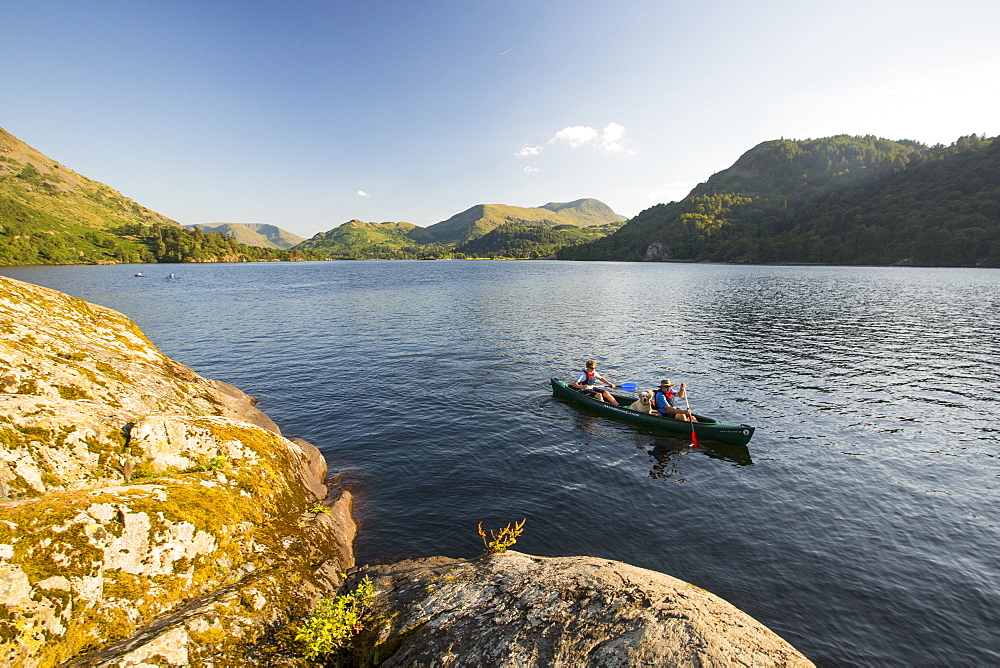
(838, 200)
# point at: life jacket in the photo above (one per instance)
(668, 396)
(591, 378)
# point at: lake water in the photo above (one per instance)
(861, 524)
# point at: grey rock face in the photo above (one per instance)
(514, 609)
(658, 251)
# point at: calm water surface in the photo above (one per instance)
(861, 523)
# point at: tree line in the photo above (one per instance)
(166, 243)
(29, 236)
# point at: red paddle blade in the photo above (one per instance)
(694, 439)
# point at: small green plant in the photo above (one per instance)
(312, 513)
(500, 542)
(335, 621)
(217, 462)
(206, 463)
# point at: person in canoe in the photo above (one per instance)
(663, 401)
(587, 380)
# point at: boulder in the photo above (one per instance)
(514, 609)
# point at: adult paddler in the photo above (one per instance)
(663, 401)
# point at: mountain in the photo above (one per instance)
(261, 235)
(590, 212)
(483, 218)
(514, 241)
(520, 232)
(837, 200)
(51, 215)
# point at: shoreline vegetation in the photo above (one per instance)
(840, 201)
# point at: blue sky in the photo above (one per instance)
(308, 113)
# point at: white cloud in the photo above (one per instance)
(531, 170)
(608, 139)
(575, 135)
(362, 193)
(611, 139)
(612, 133)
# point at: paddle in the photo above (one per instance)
(694, 437)
(628, 387)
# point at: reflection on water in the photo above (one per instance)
(663, 453)
(665, 446)
(863, 529)
(663, 466)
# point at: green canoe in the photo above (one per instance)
(705, 427)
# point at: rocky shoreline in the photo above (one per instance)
(146, 514)
(149, 516)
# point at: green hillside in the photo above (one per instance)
(37, 183)
(261, 235)
(51, 215)
(838, 200)
(355, 240)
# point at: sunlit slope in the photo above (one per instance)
(52, 215)
(528, 241)
(587, 212)
(37, 189)
(513, 231)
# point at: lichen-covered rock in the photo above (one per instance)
(514, 609)
(56, 346)
(148, 516)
